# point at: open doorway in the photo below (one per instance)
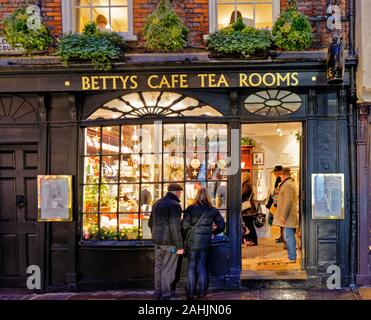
(265, 146)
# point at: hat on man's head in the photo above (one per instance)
(286, 171)
(277, 168)
(174, 187)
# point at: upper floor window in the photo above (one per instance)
(109, 15)
(255, 13)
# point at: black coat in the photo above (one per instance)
(201, 235)
(164, 221)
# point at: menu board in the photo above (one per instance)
(54, 197)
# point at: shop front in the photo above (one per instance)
(125, 135)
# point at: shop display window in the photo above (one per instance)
(127, 168)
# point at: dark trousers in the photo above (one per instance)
(249, 222)
(165, 269)
(197, 278)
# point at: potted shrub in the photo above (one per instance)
(18, 34)
(100, 47)
(239, 41)
(292, 31)
(164, 31)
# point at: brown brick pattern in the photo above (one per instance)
(194, 13)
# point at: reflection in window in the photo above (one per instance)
(157, 103)
(273, 103)
(109, 15)
(254, 13)
(125, 173)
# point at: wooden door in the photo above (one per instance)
(18, 212)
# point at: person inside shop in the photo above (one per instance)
(165, 226)
(248, 212)
(272, 201)
(201, 220)
(101, 22)
(287, 213)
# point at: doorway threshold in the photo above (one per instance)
(273, 275)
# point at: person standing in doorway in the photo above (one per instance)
(200, 221)
(165, 225)
(249, 211)
(287, 213)
(272, 202)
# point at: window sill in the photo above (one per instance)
(116, 244)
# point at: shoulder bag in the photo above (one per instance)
(189, 233)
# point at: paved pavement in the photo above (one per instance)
(253, 294)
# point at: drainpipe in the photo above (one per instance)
(352, 148)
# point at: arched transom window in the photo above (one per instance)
(149, 104)
(273, 103)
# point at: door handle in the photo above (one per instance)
(20, 201)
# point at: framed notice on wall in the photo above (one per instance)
(54, 198)
(328, 196)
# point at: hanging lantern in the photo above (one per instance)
(335, 62)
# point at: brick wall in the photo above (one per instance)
(316, 11)
(194, 14)
(51, 11)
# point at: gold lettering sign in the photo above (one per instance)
(181, 81)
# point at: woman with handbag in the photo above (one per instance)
(249, 212)
(197, 225)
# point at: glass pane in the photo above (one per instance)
(151, 167)
(145, 230)
(173, 138)
(104, 114)
(111, 140)
(110, 169)
(164, 190)
(92, 140)
(101, 18)
(130, 139)
(247, 13)
(149, 194)
(119, 2)
(218, 193)
(129, 226)
(225, 15)
(83, 2)
(91, 170)
(196, 136)
(129, 198)
(119, 19)
(90, 227)
(108, 198)
(151, 98)
(184, 104)
(203, 111)
(196, 166)
(217, 166)
(173, 167)
(151, 138)
(191, 191)
(168, 98)
(130, 168)
(90, 195)
(119, 105)
(100, 2)
(263, 16)
(217, 137)
(108, 227)
(134, 100)
(83, 15)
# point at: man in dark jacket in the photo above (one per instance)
(164, 223)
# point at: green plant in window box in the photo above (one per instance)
(18, 33)
(108, 233)
(164, 30)
(292, 31)
(239, 41)
(91, 195)
(100, 47)
(246, 141)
